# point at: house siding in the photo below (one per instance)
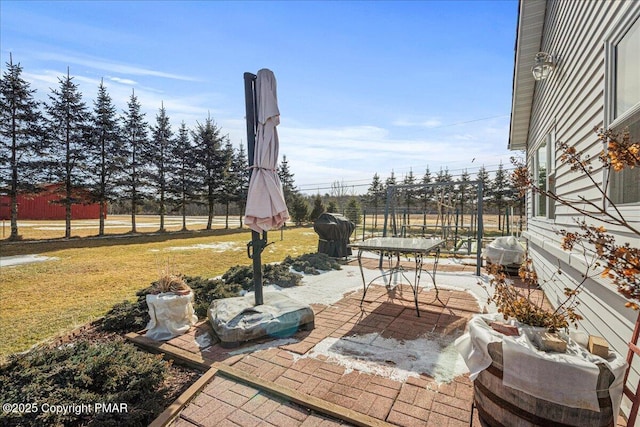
(571, 102)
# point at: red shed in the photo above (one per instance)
(42, 205)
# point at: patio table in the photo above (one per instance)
(390, 246)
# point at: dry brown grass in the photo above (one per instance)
(89, 276)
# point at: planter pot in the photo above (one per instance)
(516, 384)
(172, 314)
(499, 405)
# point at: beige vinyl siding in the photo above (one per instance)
(571, 101)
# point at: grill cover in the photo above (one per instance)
(334, 231)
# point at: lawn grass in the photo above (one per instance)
(41, 300)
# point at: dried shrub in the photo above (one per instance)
(171, 283)
(619, 263)
(522, 306)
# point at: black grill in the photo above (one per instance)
(334, 231)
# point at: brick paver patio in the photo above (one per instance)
(420, 400)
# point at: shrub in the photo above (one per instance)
(128, 316)
(84, 373)
(207, 290)
(134, 316)
(273, 274)
(312, 263)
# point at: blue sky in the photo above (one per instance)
(363, 87)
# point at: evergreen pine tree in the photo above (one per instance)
(158, 154)
(229, 180)
(106, 154)
(135, 141)
(67, 130)
(183, 183)
(300, 209)
(483, 177)
(463, 190)
(241, 168)
(409, 193)
(318, 208)
(375, 197)
(286, 178)
(444, 195)
(21, 139)
(425, 195)
(498, 191)
(391, 180)
(353, 211)
(208, 148)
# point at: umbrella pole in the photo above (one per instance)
(258, 246)
(256, 243)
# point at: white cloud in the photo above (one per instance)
(428, 123)
(128, 82)
(109, 66)
(319, 156)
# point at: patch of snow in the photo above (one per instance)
(326, 288)
(330, 287)
(390, 358)
(203, 340)
(9, 261)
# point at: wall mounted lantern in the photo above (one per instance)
(543, 66)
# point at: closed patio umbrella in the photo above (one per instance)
(266, 208)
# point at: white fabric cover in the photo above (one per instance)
(504, 251)
(171, 315)
(568, 379)
(266, 208)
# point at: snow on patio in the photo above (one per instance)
(379, 361)
(431, 354)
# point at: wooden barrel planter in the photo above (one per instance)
(499, 405)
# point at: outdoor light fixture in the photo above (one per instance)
(544, 66)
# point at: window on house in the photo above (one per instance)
(625, 111)
(551, 174)
(545, 171)
(540, 203)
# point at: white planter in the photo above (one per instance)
(517, 384)
(171, 315)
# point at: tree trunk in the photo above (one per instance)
(162, 211)
(134, 206)
(67, 213)
(14, 205)
(226, 220)
(184, 213)
(103, 210)
(210, 218)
